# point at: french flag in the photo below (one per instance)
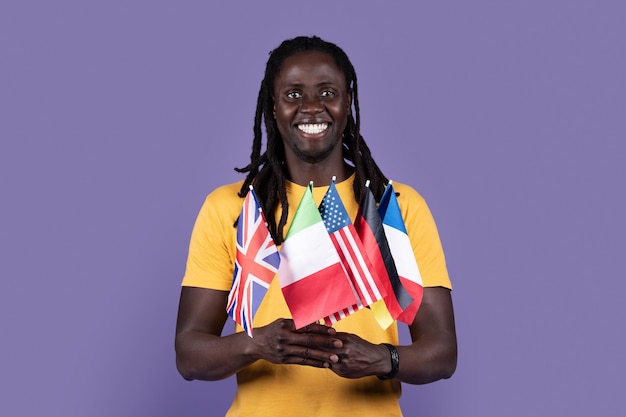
(402, 251)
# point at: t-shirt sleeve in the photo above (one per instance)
(212, 246)
(424, 238)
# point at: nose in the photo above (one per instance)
(311, 104)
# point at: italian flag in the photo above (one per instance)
(311, 275)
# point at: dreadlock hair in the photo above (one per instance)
(266, 171)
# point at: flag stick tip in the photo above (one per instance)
(367, 183)
(334, 178)
(250, 187)
(390, 181)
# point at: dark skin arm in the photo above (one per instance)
(201, 353)
(431, 356)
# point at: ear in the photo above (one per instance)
(349, 100)
(274, 107)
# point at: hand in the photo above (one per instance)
(313, 345)
(359, 358)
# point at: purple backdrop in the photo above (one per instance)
(117, 119)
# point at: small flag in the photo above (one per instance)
(402, 251)
(369, 226)
(366, 285)
(311, 276)
(256, 264)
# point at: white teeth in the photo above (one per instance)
(313, 129)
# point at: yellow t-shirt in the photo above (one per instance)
(290, 390)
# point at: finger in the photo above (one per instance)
(313, 340)
(317, 329)
(310, 361)
(308, 356)
(286, 324)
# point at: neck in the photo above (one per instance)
(319, 174)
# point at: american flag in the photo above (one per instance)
(365, 283)
(256, 264)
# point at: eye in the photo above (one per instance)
(294, 95)
(328, 93)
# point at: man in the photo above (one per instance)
(306, 102)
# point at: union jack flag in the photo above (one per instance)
(256, 264)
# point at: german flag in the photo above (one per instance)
(369, 227)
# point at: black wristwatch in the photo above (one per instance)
(395, 362)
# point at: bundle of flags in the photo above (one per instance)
(328, 268)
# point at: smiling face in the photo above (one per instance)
(311, 107)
